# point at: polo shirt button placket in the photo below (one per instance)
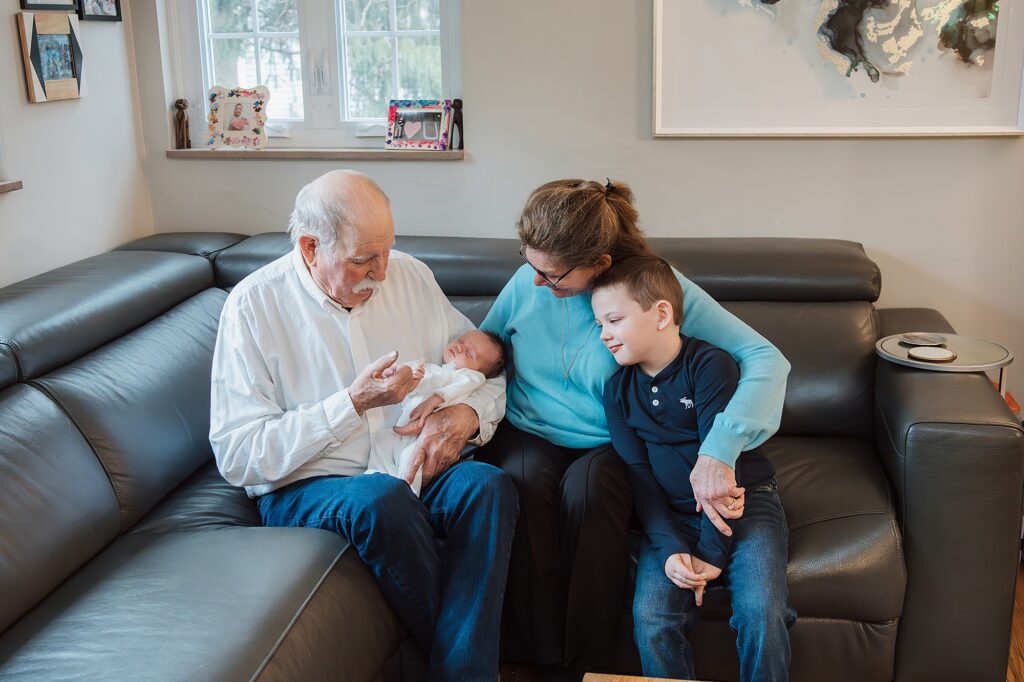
(655, 403)
(654, 389)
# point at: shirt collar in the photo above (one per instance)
(310, 286)
(671, 368)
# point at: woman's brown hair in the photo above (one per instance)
(575, 222)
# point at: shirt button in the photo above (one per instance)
(654, 402)
(654, 389)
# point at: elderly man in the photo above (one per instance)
(301, 403)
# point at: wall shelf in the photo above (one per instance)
(336, 154)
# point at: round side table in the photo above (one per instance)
(972, 355)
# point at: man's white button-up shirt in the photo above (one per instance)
(286, 354)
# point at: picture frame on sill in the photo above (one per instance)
(50, 4)
(237, 117)
(419, 124)
(52, 55)
(99, 10)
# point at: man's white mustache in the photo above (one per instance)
(366, 284)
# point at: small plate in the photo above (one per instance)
(922, 339)
(932, 354)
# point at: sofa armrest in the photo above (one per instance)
(955, 456)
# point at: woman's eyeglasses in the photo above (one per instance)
(552, 281)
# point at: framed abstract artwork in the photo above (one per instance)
(52, 55)
(237, 117)
(419, 124)
(834, 68)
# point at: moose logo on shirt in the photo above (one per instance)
(687, 403)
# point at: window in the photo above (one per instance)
(331, 65)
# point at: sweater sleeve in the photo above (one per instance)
(753, 413)
(649, 497)
(715, 377)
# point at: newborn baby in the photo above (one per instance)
(469, 361)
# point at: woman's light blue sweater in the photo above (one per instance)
(570, 412)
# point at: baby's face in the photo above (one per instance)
(473, 350)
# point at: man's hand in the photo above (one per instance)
(442, 439)
(383, 382)
(716, 492)
(708, 573)
(418, 418)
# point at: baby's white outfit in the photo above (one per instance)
(454, 385)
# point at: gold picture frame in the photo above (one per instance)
(52, 54)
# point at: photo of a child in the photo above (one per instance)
(56, 57)
(239, 118)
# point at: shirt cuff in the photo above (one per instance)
(341, 414)
(486, 429)
(723, 446)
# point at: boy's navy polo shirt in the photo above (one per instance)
(657, 425)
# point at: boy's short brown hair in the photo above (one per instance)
(647, 279)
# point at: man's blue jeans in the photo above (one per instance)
(756, 578)
(441, 560)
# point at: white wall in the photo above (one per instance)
(80, 160)
(559, 89)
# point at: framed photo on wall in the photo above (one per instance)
(419, 124)
(52, 55)
(99, 10)
(762, 68)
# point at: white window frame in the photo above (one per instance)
(320, 39)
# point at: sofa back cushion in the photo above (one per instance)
(810, 297)
(143, 402)
(53, 318)
(831, 347)
(57, 509)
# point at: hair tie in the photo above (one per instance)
(607, 185)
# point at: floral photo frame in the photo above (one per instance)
(423, 124)
(237, 117)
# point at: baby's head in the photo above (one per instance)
(482, 351)
(639, 304)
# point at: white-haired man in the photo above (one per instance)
(302, 400)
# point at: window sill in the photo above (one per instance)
(9, 186)
(342, 154)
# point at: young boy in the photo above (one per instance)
(469, 361)
(660, 405)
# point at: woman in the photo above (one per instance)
(566, 584)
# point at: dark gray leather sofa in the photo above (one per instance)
(123, 555)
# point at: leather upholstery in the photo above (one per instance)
(8, 367)
(143, 402)
(197, 605)
(953, 452)
(57, 509)
(43, 319)
(772, 269)
(204, 501)
(831, 347)
(730, 269)
(901, 320)
(204, 244)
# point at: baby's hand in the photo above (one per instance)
(418, 418)
(708, 573)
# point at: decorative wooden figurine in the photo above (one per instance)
(182, 139)
(457, 123)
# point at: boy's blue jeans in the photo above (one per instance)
(756, 578)
(440, 560)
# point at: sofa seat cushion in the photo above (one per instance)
(211, 605)
(845, 551)
(204, 500)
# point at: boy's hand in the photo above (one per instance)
(418, 418)
(708, 573)
(679, 569)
